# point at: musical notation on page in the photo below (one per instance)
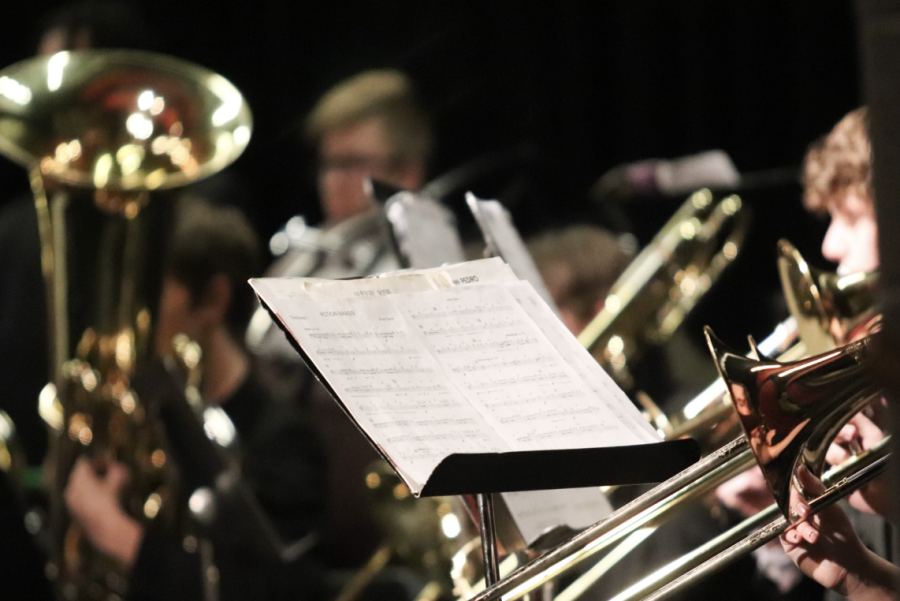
(462, 359)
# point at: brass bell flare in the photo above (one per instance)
(829, 308)
(790, 412)
(120, 120)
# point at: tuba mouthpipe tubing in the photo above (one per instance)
(838, 491)
(696, 480)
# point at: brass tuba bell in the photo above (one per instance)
(98, 131)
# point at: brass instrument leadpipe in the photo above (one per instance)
(695, 481)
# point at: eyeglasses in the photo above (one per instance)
(356, 162)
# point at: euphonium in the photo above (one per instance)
(652, 297)
(118, 125)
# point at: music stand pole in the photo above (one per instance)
(488, 538)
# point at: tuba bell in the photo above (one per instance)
(98, 131)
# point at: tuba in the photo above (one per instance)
(98, 132)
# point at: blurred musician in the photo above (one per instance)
(837, 180)
(205, 295)
(579, 265)
(369, 126)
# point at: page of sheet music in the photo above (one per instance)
(377, 287)
(582, 361)
(500, 233)
(424, 229)
(389, 382)
(535, 512)
(480, 271)
(503, 363)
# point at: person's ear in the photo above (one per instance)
(216, 299)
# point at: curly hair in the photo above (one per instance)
(839, 164)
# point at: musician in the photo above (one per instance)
(579, 265)
(828, 549)
(211, 255)
(369, 126)
(837, 180)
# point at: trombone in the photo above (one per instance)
(820, 393)
(830, 389)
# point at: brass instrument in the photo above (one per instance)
(117, 125)
(818, 395)
(827, 310)
(12, 456)
(658, 289)
(830, 309)
(848, 304)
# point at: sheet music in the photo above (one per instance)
(493, 270)
(434, 362)
(504, 240)
(535, 512)
(377, 287)
(425, 230)
(506, 367)
(389, 382)
(582, 361)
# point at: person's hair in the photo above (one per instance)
(579, 264)
(386, 94)
(839, 164)
(209, 241)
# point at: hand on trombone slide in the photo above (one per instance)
(826, 548)
(863, 432)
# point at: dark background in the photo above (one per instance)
(576, 87)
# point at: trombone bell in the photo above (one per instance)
(790, 412)
(829, 308)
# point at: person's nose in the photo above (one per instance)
(834, 246)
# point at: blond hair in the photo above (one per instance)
(386, 94)
(839, 164)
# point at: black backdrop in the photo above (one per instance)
(582, 85)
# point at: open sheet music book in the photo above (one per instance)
(458, 359)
